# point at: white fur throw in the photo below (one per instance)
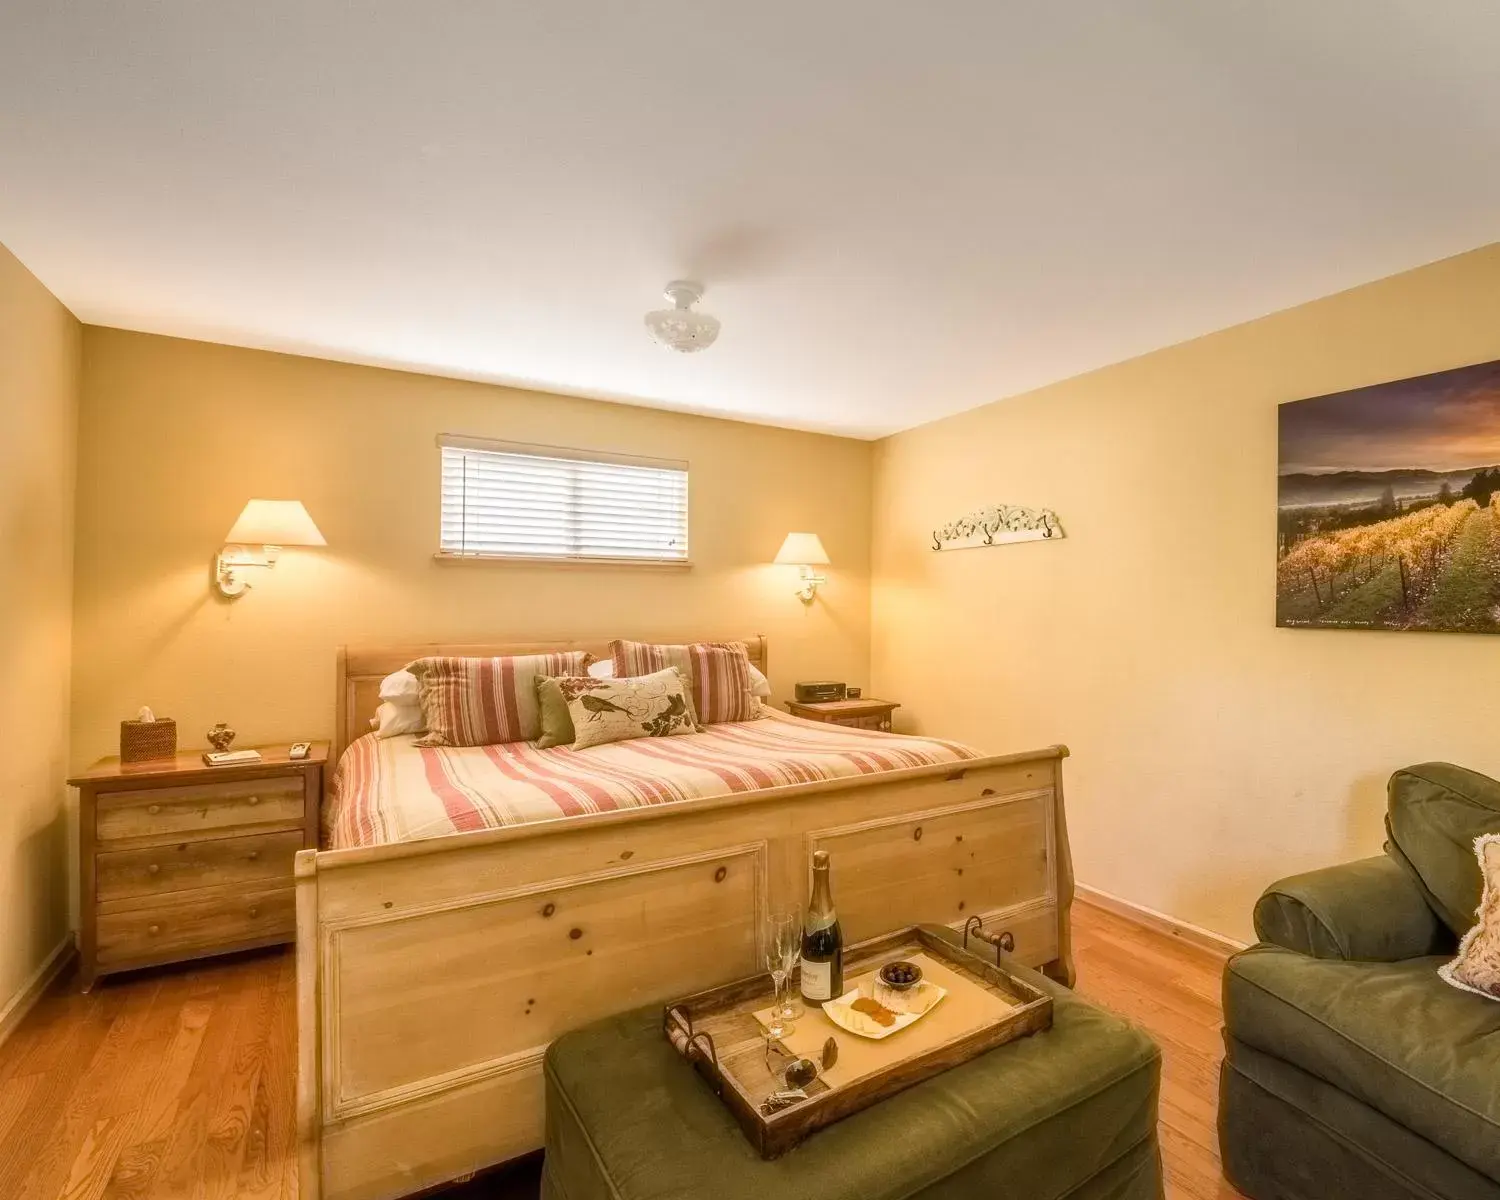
(1477, 967)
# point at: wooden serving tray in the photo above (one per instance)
(718, 1032)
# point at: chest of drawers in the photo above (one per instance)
(179, 860)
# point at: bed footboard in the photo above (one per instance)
(432, 975)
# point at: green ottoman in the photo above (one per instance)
(1066, 1113)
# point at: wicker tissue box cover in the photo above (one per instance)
(141, 741)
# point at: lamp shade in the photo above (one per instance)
(274, 523)
(802, 550)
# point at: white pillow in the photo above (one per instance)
(603, 669)
(759, 684)
(401, 686)
(393, 717)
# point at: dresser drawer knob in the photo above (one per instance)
(253, 801)
(253, 855)
(154, 809)
(153, 869)
(153, 930)
(255, 910)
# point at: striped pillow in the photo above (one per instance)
(487, 701)
(718, 674)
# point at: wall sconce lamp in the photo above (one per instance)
(263, 528)
(806, 551)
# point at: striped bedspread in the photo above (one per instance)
(392, 790)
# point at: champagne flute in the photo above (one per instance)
(791, 1007)
(783, 945)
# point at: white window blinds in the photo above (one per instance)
(506, 500)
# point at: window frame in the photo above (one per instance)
(446, 441)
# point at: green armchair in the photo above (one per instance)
(1368, 911)
(1350, 1068)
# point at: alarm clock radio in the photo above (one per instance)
(818, 691)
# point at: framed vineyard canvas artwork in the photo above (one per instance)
(1388, 506)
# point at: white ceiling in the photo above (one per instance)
(900, 210)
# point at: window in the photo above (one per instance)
(502, 500)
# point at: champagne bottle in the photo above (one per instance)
(822, 941)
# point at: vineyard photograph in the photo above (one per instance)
(1388, 506)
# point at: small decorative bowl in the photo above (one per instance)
(900, 976)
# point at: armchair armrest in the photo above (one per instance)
(1368, 910)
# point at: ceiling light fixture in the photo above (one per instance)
(679, 327)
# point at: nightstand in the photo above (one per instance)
(179, 860)
(863, 713)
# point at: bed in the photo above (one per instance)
(472, 904)
(393, 790)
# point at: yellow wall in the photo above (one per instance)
(1213, 752)
(177, 435)
(39, 369)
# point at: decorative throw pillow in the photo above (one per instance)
(487, 701)
(718, 675)
(615, 710)
(557, 725)
(1477, 967)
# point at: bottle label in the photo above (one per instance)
(817, 980)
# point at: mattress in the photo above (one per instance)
(392, 790)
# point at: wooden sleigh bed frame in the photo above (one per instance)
(431, 975)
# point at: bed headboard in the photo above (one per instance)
(361, 668)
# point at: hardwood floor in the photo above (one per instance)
(1171, 989)
(170, 1083)
(179, 1082)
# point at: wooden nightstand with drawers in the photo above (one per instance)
(179, 860)
(860, 714)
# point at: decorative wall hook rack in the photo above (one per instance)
(997, 526)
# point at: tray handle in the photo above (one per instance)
(677, 1024)
(1003, 942)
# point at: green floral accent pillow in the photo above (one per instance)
(552, 708)
(616, 710)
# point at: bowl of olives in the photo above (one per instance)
(900, 976)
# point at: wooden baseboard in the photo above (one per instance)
(31, 991)
(1193, 935)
